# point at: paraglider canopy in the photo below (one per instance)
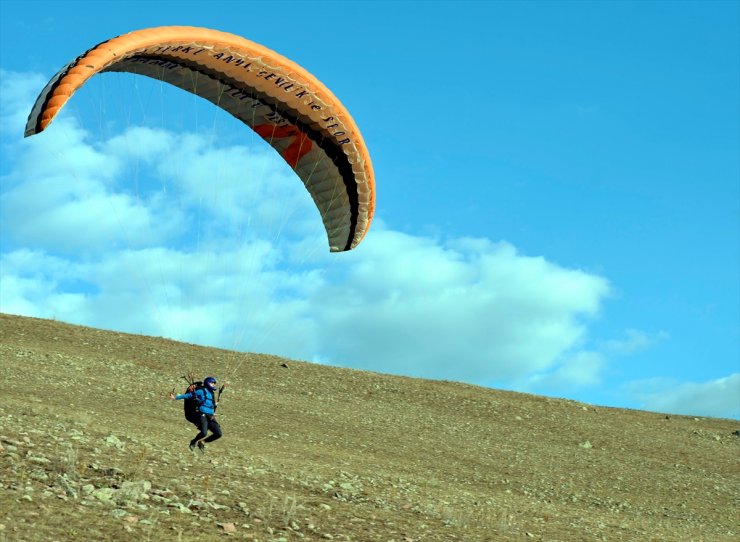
(282, 102)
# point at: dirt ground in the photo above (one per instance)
(91, 449)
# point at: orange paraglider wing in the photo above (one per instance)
(286, 105)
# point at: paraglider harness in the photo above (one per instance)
(192, 406)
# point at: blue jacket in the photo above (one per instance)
(205, 399)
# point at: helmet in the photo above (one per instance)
(209, 380)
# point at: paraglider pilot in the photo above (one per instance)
(203, 399)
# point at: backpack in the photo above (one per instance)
(192, 412)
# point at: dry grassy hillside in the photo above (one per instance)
(90, 449)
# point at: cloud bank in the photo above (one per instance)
(718, 398)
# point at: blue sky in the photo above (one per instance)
(558, 195)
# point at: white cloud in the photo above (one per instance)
(457, 324)
(35, 284)
(45, 214)
(634, 341)
(464, 309)
(717, 398)
(570, 372)
(17, 94)
(582, 367)
(61, 196)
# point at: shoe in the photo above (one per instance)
(192, 446)
(202, 447)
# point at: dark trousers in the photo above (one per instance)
(204, 423)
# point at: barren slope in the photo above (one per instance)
(90, 449)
